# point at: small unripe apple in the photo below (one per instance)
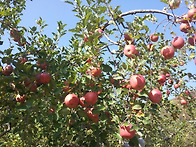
(154, 38)
(91, 98)
(178, 42)
(130, 50)
(183, 102)
(137, 82)
(155, 96)
(126, 133)
(71, 100)
(192, 14)
(7, 70)
(167, 52)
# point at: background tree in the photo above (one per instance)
(76, 95)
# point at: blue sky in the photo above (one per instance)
(55, 10)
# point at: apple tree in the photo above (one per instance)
(111, 85)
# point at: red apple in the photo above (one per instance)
(192, 40)
(23, 60)
(178, 42)
(7, 70)
(91, 98)
(14, 33)
(125, 132)
(150, 47)
(96, 71)
(192, 14)
(66, 88)
(167, 75)
(155, 96)
(183, 102)
(154, 38)
(185, 19)
(43, 78)
(94, 117)
(187, 92)
(181, 63)
(174, 4)
(137, 82)
(71, 100)
(176, 86)
(130, 50)
(83, 103)
(168, 92)
(184, 27)
(170, 81)
(127, 37)
(167, 52)
(51, 110)
(100, 31)
(42, 65)
(162, 78)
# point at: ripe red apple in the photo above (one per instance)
(23, 60)
(192, 40)
(184, 27)
(66, 88)
(167, 75)
(125, 132)
(168, 92)
(154, 38)
(14, 33)
(100, 31)
(192, 13)
(7, 70)
(91, 98)
(83, 102)
(51, 110)
(43, 78)
(187, 92)
(96, 71)
(94, 117)
(176, 86)
(178, 42)
(71, 100)
(185, 19)
(183, 102)
(150, 47)
(162, 78)
(129, 50)
(137, 82)
(170, 81)
(42, 65)
(173, 4)
(167, 52)
(155, 96)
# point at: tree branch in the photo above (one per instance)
(6, 131)
(140, 11)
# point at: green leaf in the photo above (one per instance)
(106, 68)
(69, 2)
(118, 91)
(192, 55)
(137, 107)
